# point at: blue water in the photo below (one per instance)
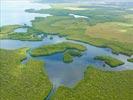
(15, 44)
(61, 73)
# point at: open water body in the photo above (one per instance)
(61, 73)
(13, 12)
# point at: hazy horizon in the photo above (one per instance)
(85, 0)
(65, 1)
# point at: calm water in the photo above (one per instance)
(15, 44)
(77, 16)
(61, 73)
(21, 30)
(13, 11)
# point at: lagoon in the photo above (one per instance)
(67, 74)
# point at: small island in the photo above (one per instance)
(56, 48)
(67, 58)
(130, 60)
(69, 54)
(112, 62)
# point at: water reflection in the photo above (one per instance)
(61, 73)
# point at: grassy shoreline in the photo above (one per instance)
(119, 38)
(7, 32)
(22, 81)
(112, 62)
(130, 60)
(67, 58)
(21, 39)
(105, 27)
(116, 49)
(56, 48)
(70, 54)
(8, 29)
(98, 84)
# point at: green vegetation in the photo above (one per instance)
(7, 32)
(8, 29)
(99, 85)
(74, 52)
(97, 14)
(22, 81)
(62, 25)
(118, 38)
(23, 37)
(110, 27)
(69, 54)
(113, 62)
(121, 32)
(68, 6)
(67, 58)
(130, 59)
(94, 30)
(116, 46)
(56, 48)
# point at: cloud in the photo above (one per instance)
(61, 1)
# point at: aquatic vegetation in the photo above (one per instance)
(22, 81)
(94, 16)
(94, 30)
(116, 46)
(62, 25)
(69, 6)
(118, 38)
(56, 48)
(130, 59)
(112, 62)
(98, 84)
(70, 54)
(23, 37)
(74, 52)
(103, 27)
(8, 29)
(121, 32)
(7, 32)
(67, 58)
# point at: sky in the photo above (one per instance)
(88, 0)
(74, 0)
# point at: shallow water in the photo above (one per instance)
(21, 30)
(77, 16)
(15, 44)
(61, 73)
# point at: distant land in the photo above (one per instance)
(71, 1)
